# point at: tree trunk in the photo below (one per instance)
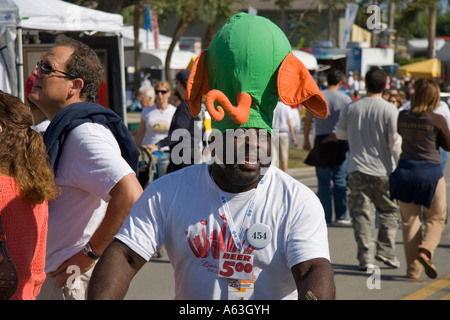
(374, 35)
(431, 30)
(390, 22)
(182, 25)
(330, 23)
(209, 35)
(137, 52)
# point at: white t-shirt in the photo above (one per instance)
(90, 166)
(184, 211)
(42, 126)
(157, 123)
(281, 115)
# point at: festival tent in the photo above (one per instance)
(308, 59)
(151, 56)
(179, 60)
(56, 16)
(423, 69)
(9, 19)
(63, 16)
(146, 39)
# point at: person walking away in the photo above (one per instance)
(95, 162)
(418, 182)
(329, 155)
(370, 126)
(444, 111)
(26, 186)
(283, 128)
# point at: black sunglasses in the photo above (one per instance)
(161, 91)
(47, 69)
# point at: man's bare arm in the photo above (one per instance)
(316, 276)
(113, 273)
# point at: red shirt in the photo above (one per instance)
(26, 235)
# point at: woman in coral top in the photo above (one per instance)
(26, 184)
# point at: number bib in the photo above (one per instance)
(259, 235)
(238, 269)
(236, 266)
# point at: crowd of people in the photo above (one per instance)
(397, 150)
(76, 215)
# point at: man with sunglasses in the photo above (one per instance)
(95, 162)
(184, 144)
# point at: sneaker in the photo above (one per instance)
(367, 266)
(344, 222)
(160, 254)
(391, 262)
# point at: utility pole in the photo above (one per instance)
(374, 40)
(390, 22)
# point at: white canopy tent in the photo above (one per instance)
(9, 19)
(157, 58)
(59, 16)
(151, 56)
(145, 38)
(63, 16)
(310, 61)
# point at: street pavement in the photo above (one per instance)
(155, 280)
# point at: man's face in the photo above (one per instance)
(245, 156)
(52, 89)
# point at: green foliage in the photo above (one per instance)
(443, 25)
(412, 23)
(404, 61)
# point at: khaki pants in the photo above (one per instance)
(280, 151)
(423, 236)
(368, 193)
(76, 291)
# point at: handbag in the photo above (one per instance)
(9, 276)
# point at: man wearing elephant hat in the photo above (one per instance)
(233, 230)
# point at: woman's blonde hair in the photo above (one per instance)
(22, 152)
(426, 96)
(164, 84)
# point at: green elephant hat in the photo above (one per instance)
(246, 69)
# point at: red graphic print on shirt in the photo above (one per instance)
(218, 240)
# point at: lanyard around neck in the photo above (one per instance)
(237, 237)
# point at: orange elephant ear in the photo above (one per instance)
(197, 85)
(297, 86)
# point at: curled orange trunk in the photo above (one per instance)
(239, 113)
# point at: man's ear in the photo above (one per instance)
(197, 85)
(297, 86)
(77, 86)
